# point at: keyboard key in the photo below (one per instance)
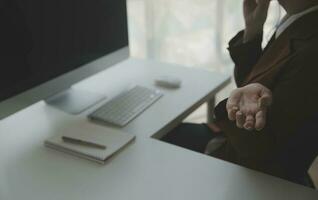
(128, 105)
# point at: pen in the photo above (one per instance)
(82, 142)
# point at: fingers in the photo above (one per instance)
(248, 106)
(252, 4)
(266, 98)
(232, 104)
(262, 7)
(260, 120)
(249, 5)
(232, 113)
(240, 119)
(264, 102)
(249, 122)
(263, 2)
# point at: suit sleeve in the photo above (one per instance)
(295, 101)
(244, 55)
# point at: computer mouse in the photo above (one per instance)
(168, 82)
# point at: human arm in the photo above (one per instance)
(246, 47)
(295, 97)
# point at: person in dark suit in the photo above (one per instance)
(277, 89)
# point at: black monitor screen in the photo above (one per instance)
(42, 39)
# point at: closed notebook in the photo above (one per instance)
(113, 139)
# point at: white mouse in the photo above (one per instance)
(168, 82)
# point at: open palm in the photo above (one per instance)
(248, 106)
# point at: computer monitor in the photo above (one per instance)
(46, 46)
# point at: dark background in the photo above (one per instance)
(42, 39)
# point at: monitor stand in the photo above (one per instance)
(74, 101)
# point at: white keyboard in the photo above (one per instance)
(125, 107)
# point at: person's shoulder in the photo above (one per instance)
(304, 29)
(306, 47)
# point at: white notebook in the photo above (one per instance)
(113, 139)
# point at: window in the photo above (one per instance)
(192, 33)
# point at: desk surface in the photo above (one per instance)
(146, 169)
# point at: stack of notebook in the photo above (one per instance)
(90, 141)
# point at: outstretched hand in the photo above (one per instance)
(248, 106)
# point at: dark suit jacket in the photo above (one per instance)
(289, 67)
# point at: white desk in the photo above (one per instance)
(147, 169)
(313, 172)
